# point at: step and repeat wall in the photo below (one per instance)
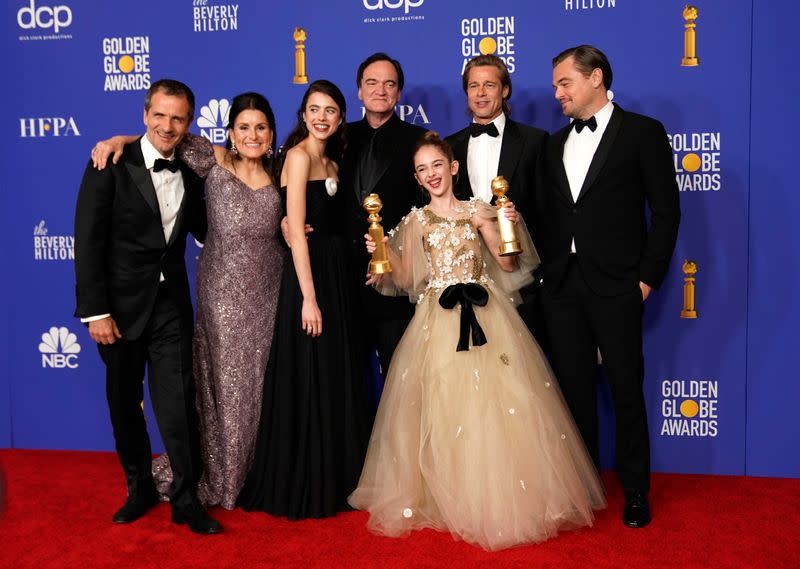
(721, 395)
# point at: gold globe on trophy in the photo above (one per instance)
(380, 259)
(300, 77)
(690, 59)
(509, 244)
(689, 270)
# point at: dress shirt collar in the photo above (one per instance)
(500, 123)
(150, 153)
(602, 117)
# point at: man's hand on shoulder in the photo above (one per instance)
(111, 147)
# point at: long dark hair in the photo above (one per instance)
(257, 102)
(335, 145)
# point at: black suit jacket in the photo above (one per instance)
(519, 155)
(632, 168)
(398, 190)
(120, 247)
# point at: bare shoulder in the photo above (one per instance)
(297, 155)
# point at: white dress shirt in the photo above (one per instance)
(579, 150)
(169, 192)
(483, 159)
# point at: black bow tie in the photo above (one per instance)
(477, 129)
(590, 123)
(162, 164)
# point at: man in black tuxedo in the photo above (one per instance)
(494, 145)
(600, 259)
(131, 223)
(378, 160)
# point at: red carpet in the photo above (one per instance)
(58, 507)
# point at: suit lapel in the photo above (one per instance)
(510, 151)
(141, 177)
(561, 172)
(603, 149)
(358, 133)
(460, 149)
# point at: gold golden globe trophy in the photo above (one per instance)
(380, 258)
(300, 76)
(690, 37)
(509, 244)
(689, 269)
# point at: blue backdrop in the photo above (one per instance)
(720, 390)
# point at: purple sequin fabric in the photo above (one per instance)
(238, 279)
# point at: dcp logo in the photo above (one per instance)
(388, 4)
(31, 17)
(59, 348)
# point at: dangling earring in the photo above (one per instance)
(269, 150)
(233, 148)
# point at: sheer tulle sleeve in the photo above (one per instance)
(197, 153)
(411, 275)
(527, 261)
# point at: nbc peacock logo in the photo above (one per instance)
(59, 348)
(213, 119)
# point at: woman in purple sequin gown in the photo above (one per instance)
(238, 278)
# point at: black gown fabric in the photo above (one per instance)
(315, 418)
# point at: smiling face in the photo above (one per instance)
(485, 93)
(580, 95)
(321, 115)
(251, 134)
(167, 120)
(434, 171)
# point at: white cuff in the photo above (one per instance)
(93, 318)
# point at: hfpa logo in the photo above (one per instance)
(59, 348)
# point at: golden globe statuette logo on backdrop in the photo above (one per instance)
(300, 77)
(690, 59)
(689, 269)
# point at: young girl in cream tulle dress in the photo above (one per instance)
(472, 435)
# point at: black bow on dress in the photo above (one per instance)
(467, 295)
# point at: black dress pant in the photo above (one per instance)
(530, 310)
(165, 349)
(578, 322)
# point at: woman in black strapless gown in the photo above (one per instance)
(315, 418)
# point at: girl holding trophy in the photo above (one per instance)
(472, 435)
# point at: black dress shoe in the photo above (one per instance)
(198, 519)
(637, 510)
(135, 507)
